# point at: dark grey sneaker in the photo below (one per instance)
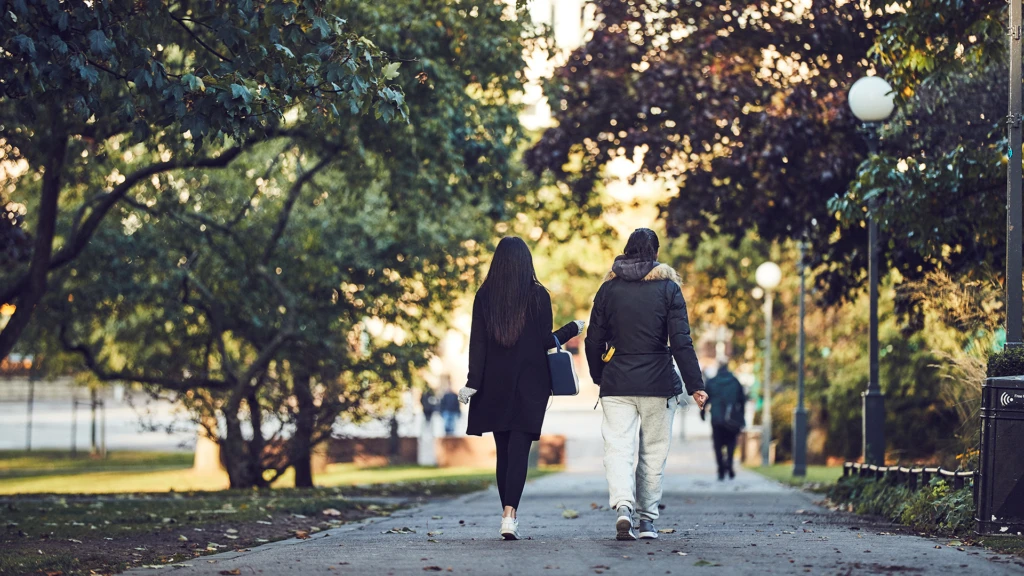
(647, 531)
(624, 524)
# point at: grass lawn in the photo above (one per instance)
(40, 462)
(816, 475)
(154, 472)
(124, 472)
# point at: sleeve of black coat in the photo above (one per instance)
(594, 345)
(681, 343)
(564, 334)
(477, 347)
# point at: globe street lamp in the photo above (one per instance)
(871, 99)
(768, 276)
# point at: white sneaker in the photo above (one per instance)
(624, 524)
(509, 528)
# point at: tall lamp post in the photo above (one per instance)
(1014, 208)
(871, 100)
(768, 276)
(800, 413)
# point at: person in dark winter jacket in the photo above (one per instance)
(450, 412)
(727, 400)
(509, 379)
(637, 328)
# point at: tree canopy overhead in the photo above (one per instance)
(309, 278)
(742, 106)
(196, 82)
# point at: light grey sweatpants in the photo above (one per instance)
(639, 487)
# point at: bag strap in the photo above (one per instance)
(558, 346)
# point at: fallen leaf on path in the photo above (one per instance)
(231, 531)
(331, 512)
(302, 534)
(182, 537)
(569, 514)
(79, 541)
(230, 572)
(399, 531)
(437, 533)
(437, 517)
(231, 537)
(432, 569)
(667, 531)
(705, 563)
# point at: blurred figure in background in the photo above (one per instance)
(430, 402)
(727, 400)
(450, 411)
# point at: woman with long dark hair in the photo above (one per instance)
(509, 380)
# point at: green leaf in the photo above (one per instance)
(283, 48)
(99, 43)
(193, 82)
(320, 24)
(391, 70)
(239, 91)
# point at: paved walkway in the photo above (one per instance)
(746, 526)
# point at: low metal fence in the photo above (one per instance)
(913, 478)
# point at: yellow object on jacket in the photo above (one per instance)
(608, 355)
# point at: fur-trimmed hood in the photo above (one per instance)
(634, 270)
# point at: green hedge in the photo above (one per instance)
(1009, 362)
(934, 508)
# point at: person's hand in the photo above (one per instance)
(580, 325)
(465, 394)
(701, 398)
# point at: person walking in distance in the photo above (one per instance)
(637, 328)
(727, 400)
(509, 381)
(451, 411)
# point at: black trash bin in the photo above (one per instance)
(1001, 489)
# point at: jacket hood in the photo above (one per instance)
(632, 270)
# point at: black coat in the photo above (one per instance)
(639, 310)
(513, 384)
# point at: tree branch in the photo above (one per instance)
(89, 357)
(200, 40)
(289, 203)
(104, 202)
(35, 279)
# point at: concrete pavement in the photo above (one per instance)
(746, 526)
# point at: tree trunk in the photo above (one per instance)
(258, 443)
(42, 249)
(305, 422)
(233, 446)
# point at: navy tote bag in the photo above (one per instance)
(564, 381)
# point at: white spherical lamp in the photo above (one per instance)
(871, 99)
(768, 275)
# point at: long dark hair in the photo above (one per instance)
(508, 289)
(642, 245)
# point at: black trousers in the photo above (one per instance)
(513, 459)
(725, 446)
